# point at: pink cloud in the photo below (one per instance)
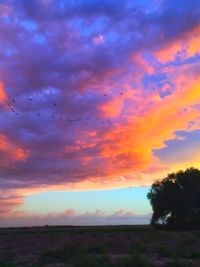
(71, 217)
(98, 39)
(2, 93)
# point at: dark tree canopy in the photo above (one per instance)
(175, 200)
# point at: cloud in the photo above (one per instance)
(90, 89)
(71, 217)
(10, 153)
(182, 48)
(99, 39)
(7, 203)
(2, 93)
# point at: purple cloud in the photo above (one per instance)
(67, 66)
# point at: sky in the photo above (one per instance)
(98, 99)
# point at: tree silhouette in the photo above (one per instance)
(175, 200)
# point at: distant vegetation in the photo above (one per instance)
(175, 200)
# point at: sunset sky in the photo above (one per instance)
(98, 99)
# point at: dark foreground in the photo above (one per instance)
(107, 246)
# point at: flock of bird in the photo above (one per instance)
(12, 106)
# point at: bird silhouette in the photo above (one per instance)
(13, 107)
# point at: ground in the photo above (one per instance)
(104, 246)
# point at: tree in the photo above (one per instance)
(175, 200)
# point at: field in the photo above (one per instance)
(104, 246)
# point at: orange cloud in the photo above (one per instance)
(169, 52)
(184, 47)
(21, 154)
(193, 45)
(8, 202)
(125, 149)
(142, 64)
(112, 108)
(11, 152)
(2, 93)
(3, 142)
(128, 147)
(124, 156)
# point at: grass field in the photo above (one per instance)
(104, 246)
